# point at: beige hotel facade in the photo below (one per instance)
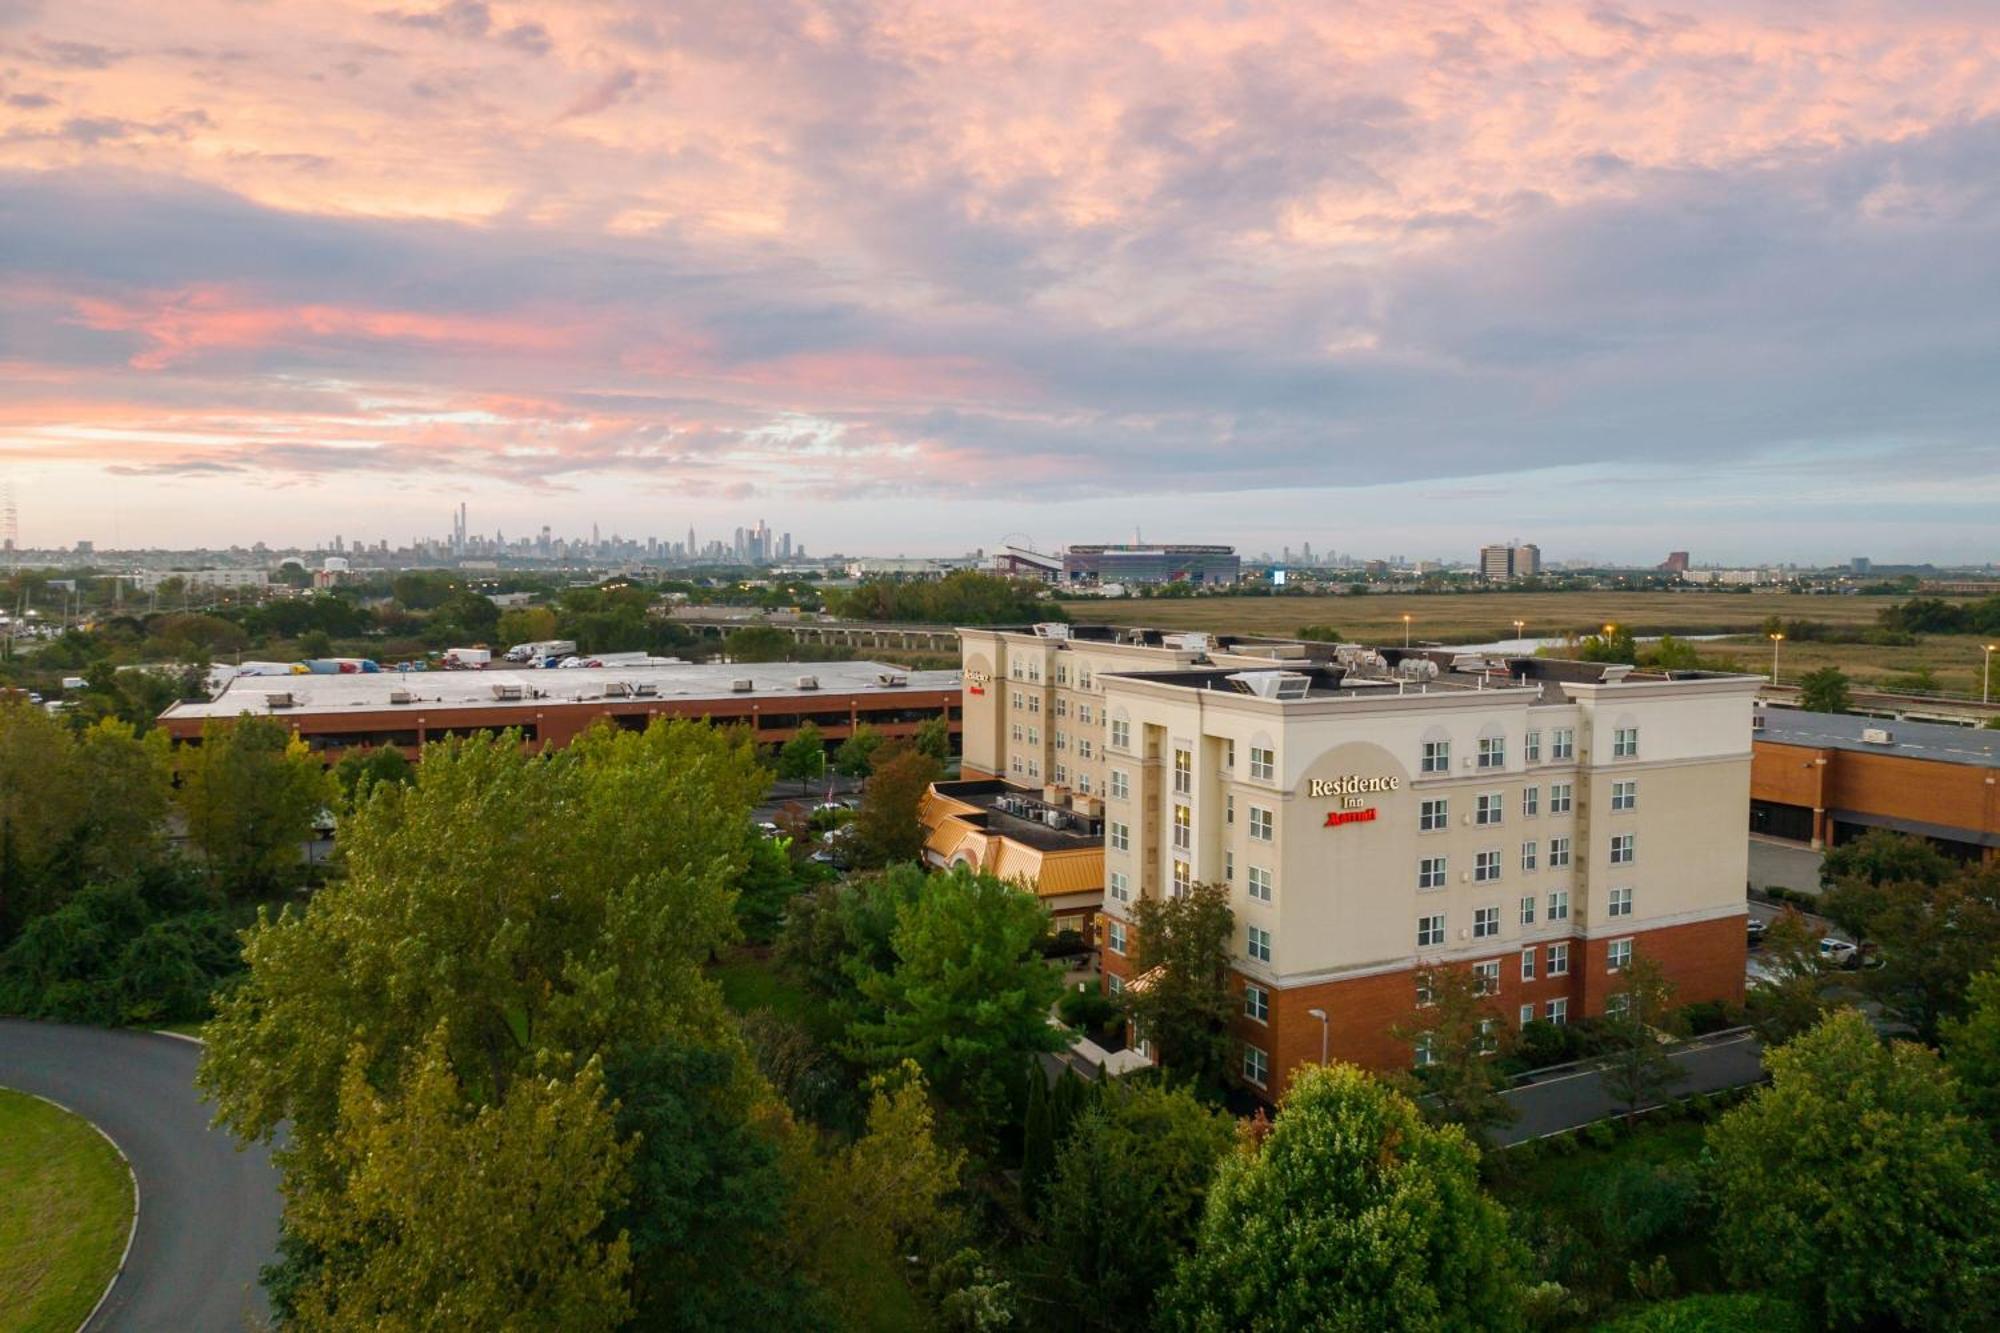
(1375, 812)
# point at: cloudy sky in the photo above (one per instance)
(1390, 278)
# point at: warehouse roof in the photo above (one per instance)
(432, 690)
(1937, 741)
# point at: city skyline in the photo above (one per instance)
(1631, 279)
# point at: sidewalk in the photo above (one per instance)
(1572, 1100)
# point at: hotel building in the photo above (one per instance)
(1542, 822)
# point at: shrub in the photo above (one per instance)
(1087, 1009)
(1707, 1016)
(1602, 1134)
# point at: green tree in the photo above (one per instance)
(315, 643)
(1733, 1312)
(708, 1203)
(1462, 1029)
(770, 880)
(1972, 1049)
(1126, 1197)
(1614, 645)
(888, 823)
(1933, 940)
(1854, 1182)
(1638, 1013)
(249, 793)
(526, 624)
(1792, 997)
(1352, 1213)
(1880, 857)
(1672, 654)
(759, 643)
(1319, 633)
(856, 754)
(360, 770)
(1038, 1139)
(1182, 946)
(934, 739)
(414, 1239)
(968, 996)
(842, 931)
(803, 757)
(1825, 690)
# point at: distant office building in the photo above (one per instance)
(1675, 563)
(1151, 564)
(146, 580)
(1860, 564)
(1504, 564)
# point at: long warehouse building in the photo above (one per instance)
(334, 714)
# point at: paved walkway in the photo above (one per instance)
(1576, 1098)
(208, 1213)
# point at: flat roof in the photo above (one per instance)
(986, 794)
(684, 682)
(1937, 741)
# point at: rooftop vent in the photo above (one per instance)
(891, 679)
(1877, 736)
(1756, 722)
(1614, 673)
(1052, 629)
(280, 699)
(742, 685)
(808, 682)
(645, 688)
(1188, 643)
(1273, 684)
(402, 696)
(509, 691)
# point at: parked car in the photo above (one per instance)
(1839, 953)
(1757, 929)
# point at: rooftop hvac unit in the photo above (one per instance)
(508, 691)
(1877, 736)
(400, 696)
(1273, 684)
(1052, 629)
(742, 685)
(808, 682)
(1615, 673)
(1055, 819)
(891, 679)
(1188, 643)
(645, 689)
(280, 699)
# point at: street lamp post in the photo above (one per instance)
(1320, 1014)
(1520, 631)
(1986, 673)
(1406, 630)
(1776, 639)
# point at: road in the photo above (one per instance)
(208, 1213)
(1578, 1097)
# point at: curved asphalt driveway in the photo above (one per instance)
(208, 1214)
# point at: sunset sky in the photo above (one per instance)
(916, 277)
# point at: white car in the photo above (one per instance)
(1836, 952)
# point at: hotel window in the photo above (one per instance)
(1488, 1042)
(1618, 955)
(1260, 944)
(1558, 853)
(1527, 1014)
(1034, 736)
(1019, 733)
(1114, 984)
(1531, 751)
(1256, 1066)
(1528, 909)
(1625, 795)
(1621, 903)
(1228, 865)
(1183, 772)
(1121, 837)
(1559, 960)
(1034, 703)
(1430, 873)
(1257, 1003)
(1229, 755)
(1623, 846)
(1560, 797)
(1034, 671)
(1015, 670)
(1083, 781)
(1488, 976)
(1183, 828)
(1492, 752)
(1616, 1005)
(1261, 826)
(1528, 850)
(1426, 990)
(1531, 801)
(1120, 887)
(1559, 905)
(1015, 765)
(1121, 785)
(1557, 1010)
(1562, 743)
(1260, 884)
(1229, 807)
(1421, 1050)
(1527, 964)
(1437, 757)
(1062, 741)
(1083, 747)
(1625, 743)
(1083, 713)
(1034, 766)
(1485, 923)
(1083, 677)
(1434, 816)
(1062, 678)
(1489, 808)
(1263, 763)
(1485, 867)
(1430, 931)
(1061, 704)
(1020, 700)
(1121, 734)
(1060, 773)
(1114, 937)
(1183, 878)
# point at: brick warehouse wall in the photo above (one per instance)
(1703, 959)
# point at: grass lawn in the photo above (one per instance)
(751, 980)
(65, 1209)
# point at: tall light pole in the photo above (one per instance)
(1520, 631)
(1986, 673)
(1320, 1014)
(1406, 629)
(1776, 639)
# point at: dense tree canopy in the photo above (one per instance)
(250, 792)
(963, 598)
(1182, 947)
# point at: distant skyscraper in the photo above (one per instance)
(1675, 563)
(1503, 564)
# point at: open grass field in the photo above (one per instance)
(1447, 618)
(65, 1209)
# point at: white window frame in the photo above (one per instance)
(1530, 855)
(1487, 976)
(1486, 867)
(1258, 881)
(1559, 856)
(1486, 923)
(1257, 944)
(1436, 757)
(1263, 764)
(1114, 937)
(1256, 1003)
(1263, 824)
(1492, 752)
(1624, 848)
(1531, 802)
(1559, 905)
(1434, 816)
(1620, 903)
(1256, 1066)
(1625, 743)
(1528, 964)
(1119, 887)
(1625, 794)
(1118, 836)
(1489, 809)
(1562, 797)
(1562, 744)
(1431, 931)
(1558, 959)
(1121, 785)
(1432, 873)
(1557, 1011)
(1527, 913)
